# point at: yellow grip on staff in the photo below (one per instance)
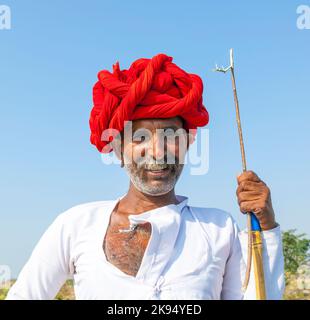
(257, 254)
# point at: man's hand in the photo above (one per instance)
(254, 196)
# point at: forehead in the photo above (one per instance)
(158, 123)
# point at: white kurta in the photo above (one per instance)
(193, 253)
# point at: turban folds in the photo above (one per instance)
(150, 88)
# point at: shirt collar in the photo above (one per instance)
(165, 221)
(152, 215)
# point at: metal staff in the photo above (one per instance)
(255, 245)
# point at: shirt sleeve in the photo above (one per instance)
(48, 267)
(273, 264)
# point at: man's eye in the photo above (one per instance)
(139, 137)
(169, 132)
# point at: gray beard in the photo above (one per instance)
(157, 190)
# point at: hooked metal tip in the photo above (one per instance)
(222, 69)
(231, 58)
(231, 66)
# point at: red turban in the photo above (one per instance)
(150, 88)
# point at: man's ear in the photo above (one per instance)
(119, 155)
(122, 160)
(117, 148)
(190, 139)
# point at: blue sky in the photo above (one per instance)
(49, 63)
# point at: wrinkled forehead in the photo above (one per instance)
(147, 126)
(158, 123)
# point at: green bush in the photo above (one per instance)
(295, 249)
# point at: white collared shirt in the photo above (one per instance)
(193, 253)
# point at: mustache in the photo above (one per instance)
(156, 166)
(151, 164)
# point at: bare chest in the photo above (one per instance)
(126, 250)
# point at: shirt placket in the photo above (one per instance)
(165, 228)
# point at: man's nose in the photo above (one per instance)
(157, 147)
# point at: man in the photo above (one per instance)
(150, 243)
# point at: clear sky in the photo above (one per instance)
(49, 62)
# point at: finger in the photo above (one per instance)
(250, 186)
(248, 196)
(251, 206)
(248, 175)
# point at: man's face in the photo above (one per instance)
(154, 156)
